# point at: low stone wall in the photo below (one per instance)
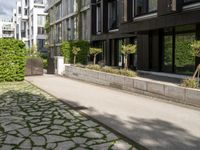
(167, 91)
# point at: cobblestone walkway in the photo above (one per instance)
(33, 120)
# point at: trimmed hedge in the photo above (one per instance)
(82, 57)
(12, 60)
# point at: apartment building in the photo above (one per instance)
(69, 20)
(7, 28)
(162, 29)
(30, 17)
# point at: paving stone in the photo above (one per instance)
(6, 147)
(79, 140)
(121, 145)
(89, 123)
(25, 132)
(55, 138)
(12, 126)
(57, 121)
(103, 146)
(38, 140)
(26, 144)
(65, 145)
(38, 148)
(13, 139)
(93, 135)
(51, 145)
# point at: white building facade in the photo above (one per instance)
(7, 28)
(69, 20)
(30, 17)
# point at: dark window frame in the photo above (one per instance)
(147, 8)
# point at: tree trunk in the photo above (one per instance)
(126, 61)
(95, 56)
(74, 59)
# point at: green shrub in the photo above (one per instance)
(80, 65)
(110, 70)
(82, 57)
(190, 83)
(45, 63)
(12, 60)
(94, 67)
(65, 51)
(123, 72)
(128, 73)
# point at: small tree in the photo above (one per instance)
(95, 52)
(196, 50)
(65, 50)
(127, 50)
(33, 52)
(75, 51)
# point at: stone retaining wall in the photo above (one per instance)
(167, 91)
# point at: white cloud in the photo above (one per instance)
(6, 7)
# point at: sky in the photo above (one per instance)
(6, 7)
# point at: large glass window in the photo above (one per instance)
(145, 6)
(98, 18)
(112, 15)
(178, 56)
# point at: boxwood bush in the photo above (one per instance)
(12, 60)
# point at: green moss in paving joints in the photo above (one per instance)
(40, 120)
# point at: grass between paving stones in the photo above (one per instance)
(32, 119)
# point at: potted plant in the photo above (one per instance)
(95, 52)
(126, 51)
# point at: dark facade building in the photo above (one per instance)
(162, 29)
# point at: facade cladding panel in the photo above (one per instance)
(162, 29)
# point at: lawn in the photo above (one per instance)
(32, 119)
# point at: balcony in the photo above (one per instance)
(7, 35)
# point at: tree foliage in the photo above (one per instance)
(95, 51)
(196, 48)
(127, 50)
(75, 51)
(12, 60)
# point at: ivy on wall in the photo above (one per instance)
(66, 51)
(12, 60)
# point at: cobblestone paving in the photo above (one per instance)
(33, 120)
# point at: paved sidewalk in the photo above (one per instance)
(154, 124)
(31, 119)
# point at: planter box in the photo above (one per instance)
(164, 90)
(34, 66)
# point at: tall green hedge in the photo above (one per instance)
(12, 60)
(82, 57)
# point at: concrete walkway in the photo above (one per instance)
(154, 124)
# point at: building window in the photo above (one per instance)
(26, 2)
(98, 18)
(41, 20)
(143, 7)
(25, 11)
(38, 2)
(178, 56)
(41, 30)
(112, 15)
(19, 10)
